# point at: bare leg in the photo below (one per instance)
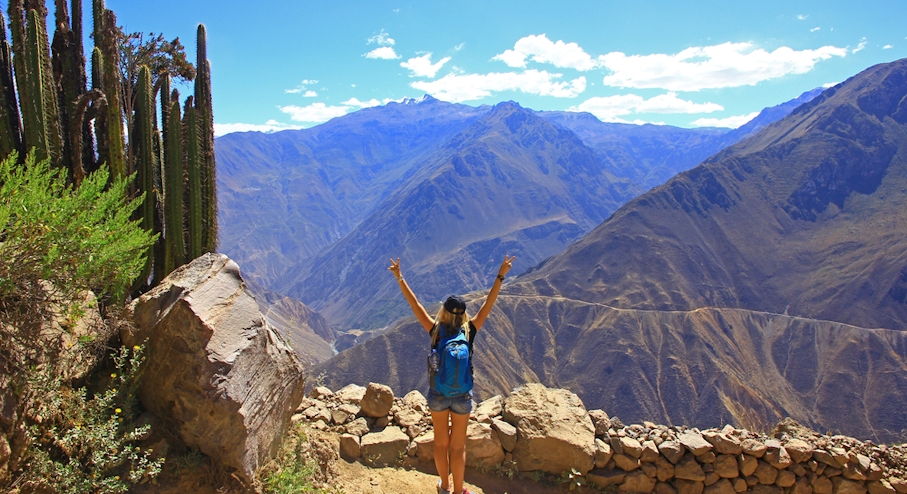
(440, 422)
(458, 449)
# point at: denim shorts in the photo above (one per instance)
(461, 405)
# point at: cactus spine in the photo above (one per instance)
(205, 116)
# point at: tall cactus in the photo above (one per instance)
(10, 125)
(41, 117)
(69, 70)
(174, 246)
(143, 139)
(204, 107)
(194, 185)
(111, 79)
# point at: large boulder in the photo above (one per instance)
(483, 447)
(555, 433)
(217, 374)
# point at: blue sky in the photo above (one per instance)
(291, 64)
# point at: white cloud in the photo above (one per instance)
(670, 103)
(887, 47)
(860, 47)
(542, 50)
(830, 84)
(382, 39)
(718, 66)
(422, 66)
(310, 94)
(729, 122)
(817, 28)
(316, 112)
(802, 17)
(301, 87)
(361, 104)
(611, 108)
(459, 47)
(383, 53)
(270, 126)
(465, 87)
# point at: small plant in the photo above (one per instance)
(82, 444)
(294, 470)
(574, 479)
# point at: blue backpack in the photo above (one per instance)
(454, 360)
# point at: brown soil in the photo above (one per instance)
(356, 478)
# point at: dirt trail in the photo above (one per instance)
(356, 478)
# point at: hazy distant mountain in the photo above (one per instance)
(288, 197)
(509, 183)
(747, 289)
(283, 197)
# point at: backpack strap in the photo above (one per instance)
(435, 334)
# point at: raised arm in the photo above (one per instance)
(480, 317)
(421, 314)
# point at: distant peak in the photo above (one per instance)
(426, 98)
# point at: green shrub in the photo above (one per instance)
(88, 444)
(57, 244)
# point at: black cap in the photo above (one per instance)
(455, 305)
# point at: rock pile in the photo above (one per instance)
(537, 428)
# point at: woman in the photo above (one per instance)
(450, 415)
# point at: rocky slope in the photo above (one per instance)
(766, 282)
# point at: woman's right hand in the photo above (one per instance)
(395, 268)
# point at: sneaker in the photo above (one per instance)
(465, 491)
(442, 490)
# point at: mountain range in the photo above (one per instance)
(315, 214)
(768, 281)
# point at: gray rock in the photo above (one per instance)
(555, 433)
(483, 447)
(358, 427)
(349, 447)
(637, 482)
(415, 400)
(672, 450)
(226, 381)
(377, 401)
(694, 442)
(385, 448)
(351, 393)
(601, 421)
(492, 407)
(603, 453)
(506, 433)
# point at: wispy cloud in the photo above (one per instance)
(422, 67)
(302, 87)
(382, 39)
(316, 112)
(729, 122)
(612, 108)
(817, 28)
(361, 104)
(460, 46)
(310, 94)
(270, 126)
(802, 17)
(887, 47)
(539, 48)
(383, 53)
(709, 67)
(860, 47)
(466, 87)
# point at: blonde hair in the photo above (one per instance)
(450, 319)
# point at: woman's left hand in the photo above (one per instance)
(395, 268)
(506, 265)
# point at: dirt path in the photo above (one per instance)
(356, 478)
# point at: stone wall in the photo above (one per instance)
(536, 428)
